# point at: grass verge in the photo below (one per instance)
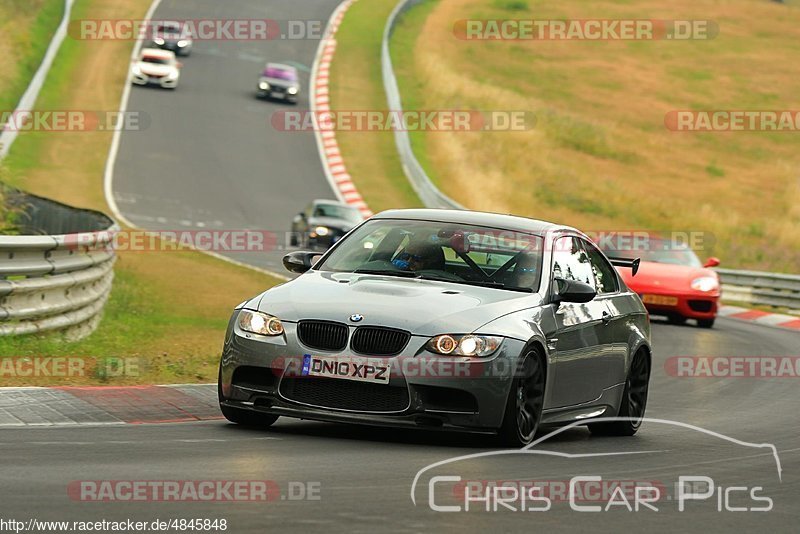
(600, 157)
(26, 27)
(356, 84)
(169, 310)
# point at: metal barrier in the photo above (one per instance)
(430, 195)
(56, 282)
(756, 287)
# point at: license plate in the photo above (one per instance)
(660, 300)
(351, 368)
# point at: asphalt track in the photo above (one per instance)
(209, 157)
(211, 160)
(365, 474)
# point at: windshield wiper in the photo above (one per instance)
(401, 274)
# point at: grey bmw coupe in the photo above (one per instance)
(444, 319)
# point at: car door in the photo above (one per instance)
(615, 335)
(578, 345)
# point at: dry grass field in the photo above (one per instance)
(600, 156)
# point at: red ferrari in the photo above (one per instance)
(673, 282)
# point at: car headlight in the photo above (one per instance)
(263, 86)
(159, 41)
(137, 70)
(292, 90)
(466, 345)
(705, 283)
(322, 230)
(182, 43)
(260, 323)
(174, 74)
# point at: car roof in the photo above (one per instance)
(476, 218)
(280, 66)
(159, 53)
(331, 202)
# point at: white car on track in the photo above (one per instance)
(156, 67)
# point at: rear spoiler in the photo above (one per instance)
(623, 262)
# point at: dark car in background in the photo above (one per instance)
(323, 223)
(173, 36)
(280, 82)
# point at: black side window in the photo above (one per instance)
(604, 274)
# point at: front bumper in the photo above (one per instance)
(277, 94)
(693, 305)
(326, 241)
(435, 391)
(165, 82)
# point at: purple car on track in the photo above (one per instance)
(280, 82)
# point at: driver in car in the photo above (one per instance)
(420, 257)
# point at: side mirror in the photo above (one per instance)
(302, 216)
(300, 261)
(711, 262)
(572, 291)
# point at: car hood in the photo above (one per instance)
(152, 69)
(654, 275)
(423, 307)
(331, 222)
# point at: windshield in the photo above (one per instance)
(657, 251)
(172, 30)
(337, 212)
(448, 252)
(155, 60)
(280, 73)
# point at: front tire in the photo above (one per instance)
(247, 417)
(705, 323)
(525, 402)
(633, 403)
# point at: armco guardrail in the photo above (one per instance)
(55, 282)
(428, 193)
(756, 287)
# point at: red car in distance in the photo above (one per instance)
(673, 282)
